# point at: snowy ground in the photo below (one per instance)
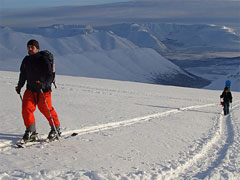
(126, 131)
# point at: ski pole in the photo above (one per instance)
(20, 96)
(50, 115)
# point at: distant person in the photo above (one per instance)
(227, 99)
(37, 71)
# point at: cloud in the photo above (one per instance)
(182, 11)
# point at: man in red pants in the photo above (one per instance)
(37, 71)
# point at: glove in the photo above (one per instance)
(18, 89)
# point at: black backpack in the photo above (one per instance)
(49, 56)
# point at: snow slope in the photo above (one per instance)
(126, 131)
(129, 52)
(177, 39)
(82, 51)
(165, 38)
(234, 77)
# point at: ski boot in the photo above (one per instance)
(30, 137)
(53, 135)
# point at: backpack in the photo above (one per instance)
(50, 57)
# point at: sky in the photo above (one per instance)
(23, 13)
(50, 3)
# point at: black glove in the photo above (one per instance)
(18, 89)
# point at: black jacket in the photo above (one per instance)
(36, 68)
(227, 96)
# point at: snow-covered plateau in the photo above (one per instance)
(126, 130)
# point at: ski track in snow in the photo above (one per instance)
(203, 164)
(101, 127)
(212, 155)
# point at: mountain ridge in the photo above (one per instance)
(101, 51)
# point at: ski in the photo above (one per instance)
(26, 144)
(41, 141)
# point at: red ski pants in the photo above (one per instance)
(29, 106)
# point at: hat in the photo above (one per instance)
(33, 42)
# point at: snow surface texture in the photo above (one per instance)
(126, 131)
(130, 52)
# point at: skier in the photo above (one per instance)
(36, 70)
(227, 98)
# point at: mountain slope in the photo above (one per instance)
(175, 39)
(234, 77)
(82, 51)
